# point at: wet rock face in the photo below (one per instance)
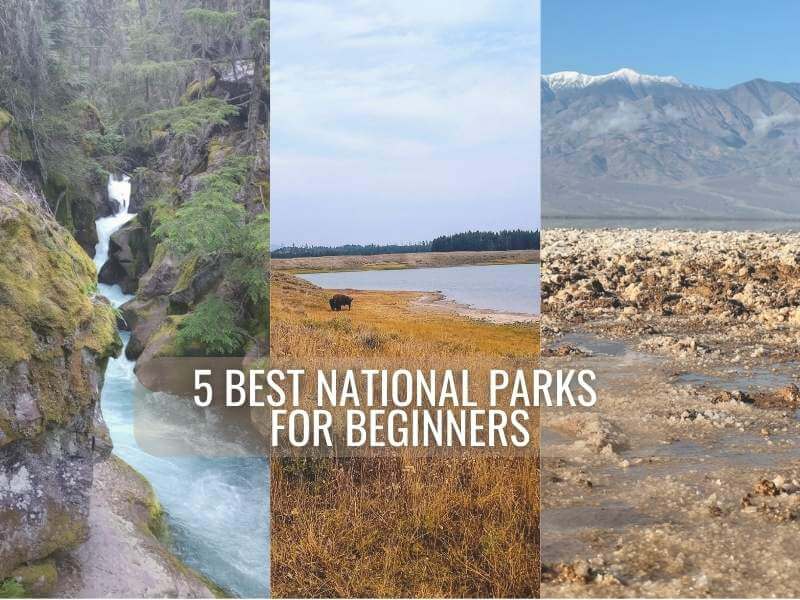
(105, 206)
(130, 254)
(146, 184)
(144, 318)
(734, 277)
(55, 340)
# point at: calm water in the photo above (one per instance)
(510, 288)
(217, 508)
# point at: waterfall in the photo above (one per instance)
(217, 508)
(119, 189)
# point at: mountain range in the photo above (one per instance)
(632, 145)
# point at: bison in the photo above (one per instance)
(340, 300)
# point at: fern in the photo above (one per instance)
(212, 325)
(192, 117)
(250, 268)
(207, 224)
(213, 20)
(211, 222)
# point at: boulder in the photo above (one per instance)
(143, 317)
(55, 340)
(130, 252)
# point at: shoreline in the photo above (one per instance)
(438, 302)
(411, 260)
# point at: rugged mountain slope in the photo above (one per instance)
(55, 339)
(639, 145)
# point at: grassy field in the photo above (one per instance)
(412, 260)
(408, 526)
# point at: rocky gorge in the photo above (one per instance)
(170, 284)
(69, 511)
(693, 444)
(186, 121)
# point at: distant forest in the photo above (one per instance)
(516, 239)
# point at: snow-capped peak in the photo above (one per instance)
(573, 79)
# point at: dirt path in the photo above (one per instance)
(122, 558)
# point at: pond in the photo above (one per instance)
(503, 288)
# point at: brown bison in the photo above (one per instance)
(340, 300)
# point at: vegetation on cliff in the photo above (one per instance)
(47, 292)
(202, 187)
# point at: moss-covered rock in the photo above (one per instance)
(37, 579)
(127, 553)
(146, 186)
(55, 339)
(74, 205)
(11, 588)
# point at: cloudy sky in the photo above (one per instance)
(399, 120)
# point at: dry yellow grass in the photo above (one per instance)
(408, 525)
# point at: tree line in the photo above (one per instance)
(349, 250)
(478, 241)
(508, 239)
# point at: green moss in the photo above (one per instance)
(46, 283)
(88, 115)
(145, 496)
(38, 579)
(103, 338)
(5, 119)
(166, 339)
(218, 151)
(11, 588)
(159, 254)
(64, 531)
(8, 434)
(188, 271)
(161, 211)
(198, 88)
(17, 343)
(21, 148)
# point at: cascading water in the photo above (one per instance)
(217, 508)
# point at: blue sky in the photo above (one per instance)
(399, 120)
(714, 43)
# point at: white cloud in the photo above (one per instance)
(398, 85)
(765, 123)
(626, 117)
